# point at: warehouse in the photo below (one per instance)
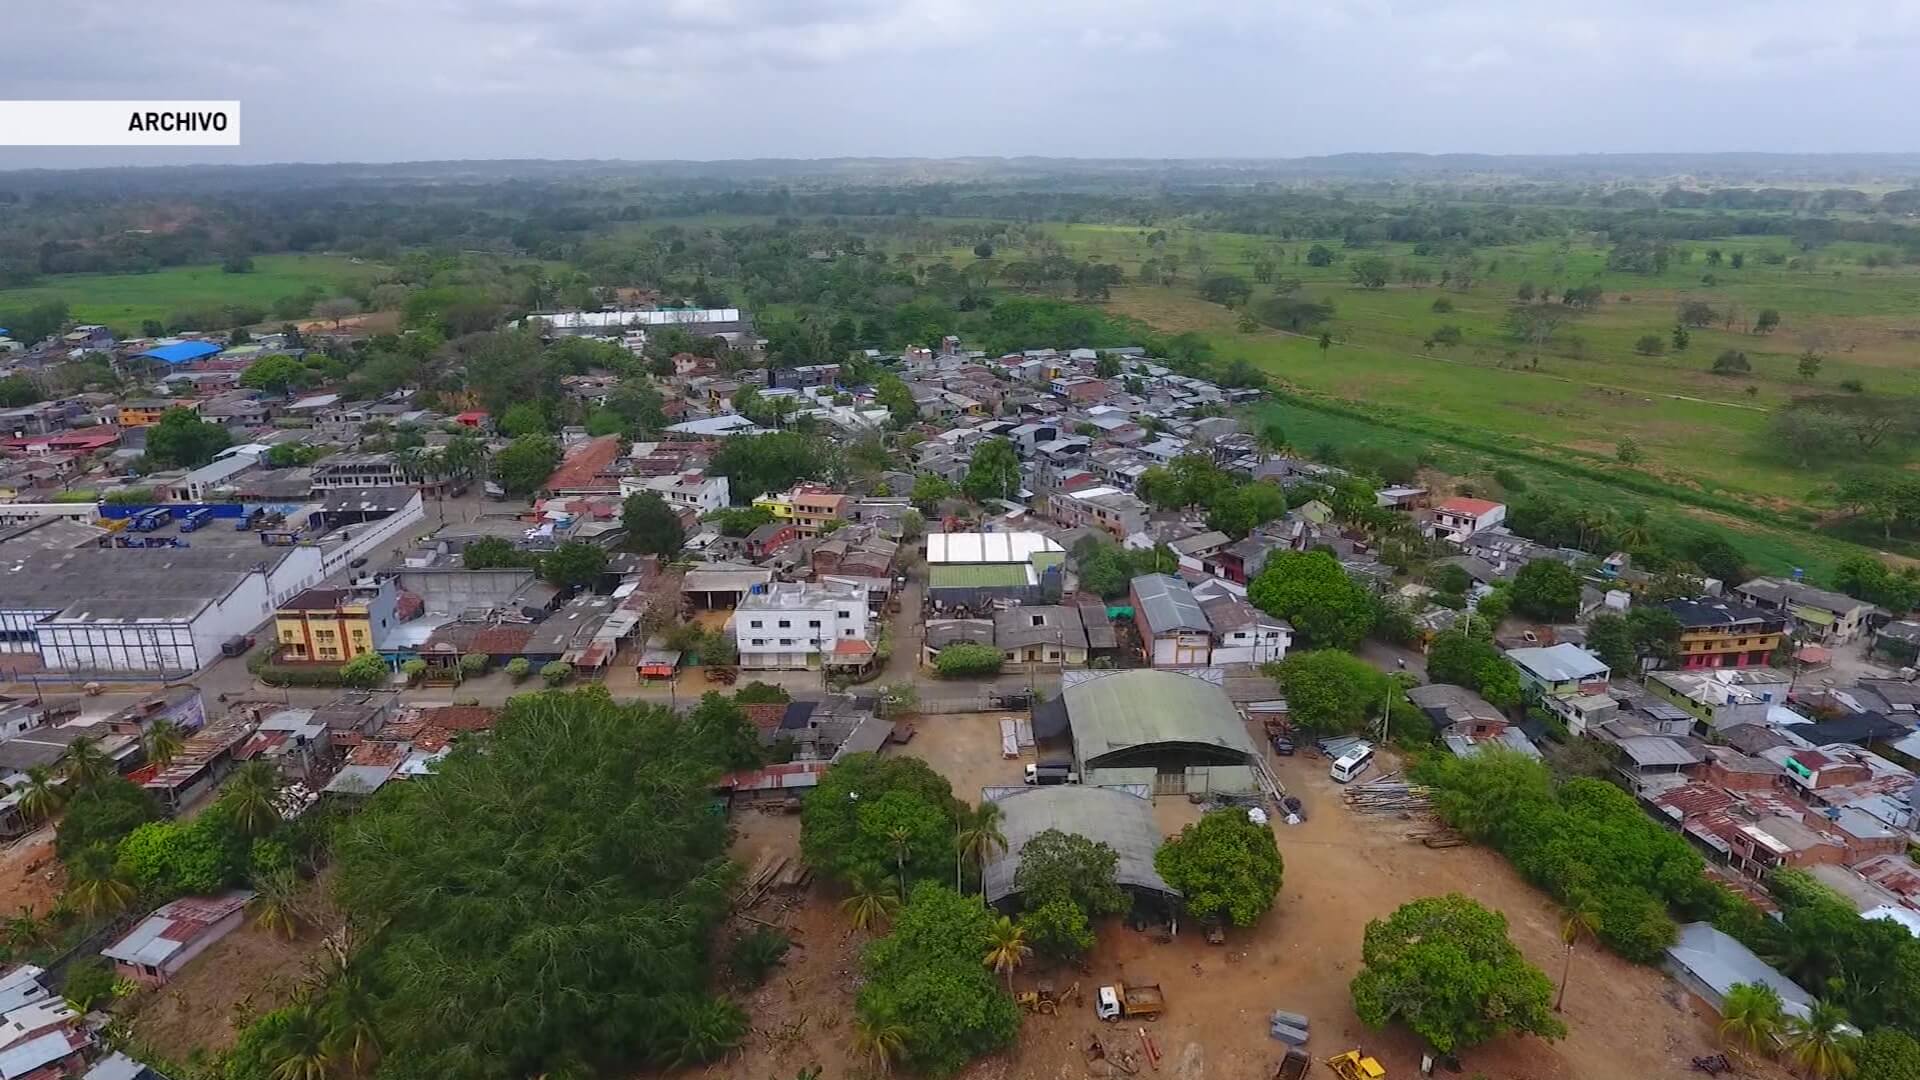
(1122, 819)
(972, 570)
(1172, 732)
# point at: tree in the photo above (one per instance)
(524, 418)
(1547, 589)
(337, 308)
(1444, 967)
(1242, 508)
(979, 840)
(89, 983)
(1579, 921)
(1371, 272)
(1320, 255)
(251, 796)
(1007, 947)
(871, 904)
(774, 462)
(555, 673)
(1312, 592)
(276, 905)
(1819, 1043)
(95, 886)
(723, 731)
(99, 815)
(1887, 1054)
(994, 473)
(523, 467)
(274, 374)
(1731, 362)
(1809, 365)
(575, 564)
(930, 490)
(847, 821)
(366, 672)
(583, 821)
(88, 766)
(1331, 691)
(184, 440)
(1058, 929)
(1697, 313)
(1627, 451)
(1752, 1015)
(927, 976)
(1224, 865)
(879, 1040)
(170, 858)
(893, 395)
(1650, 345)
(1231, 290)
(1767, 321)
(1680, 338)
(652, 526)
(493, 552)
(1056, 865)
(40, 798)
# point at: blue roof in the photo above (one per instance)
(183, 352)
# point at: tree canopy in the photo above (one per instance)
(928, 977)
(544, 904)
(184, 440)
(1224, 865)
(757, 464)
(652, 526)
(1328, 609)
(1331, 691)
(849, 820)
(1056, 865)
(523, 467)
(994, 472)
(1547, 589)
(1444, 967)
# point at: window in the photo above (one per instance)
(786, 624)
(755, 624)
(848, 632)
(759, 641)
(786, 641)
(843, 614)
(813, 624)
(1037, 620)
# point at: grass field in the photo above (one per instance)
(123, 301)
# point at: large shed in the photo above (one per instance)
(1119, 819)
(1173, 731)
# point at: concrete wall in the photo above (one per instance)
(457, 590)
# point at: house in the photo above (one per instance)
(1561, 671)
(157, 948)
(587, 470)
(1242, 633)
(801, 625)
(693, 490)
(1710, 963)
(364, 471)
(1725, 697)
(810, 507)
(1242, 560)
(1173, 627)
(975, 569)
(1717, 633)
(1898, 641)
(1460, 517)
(769, 538)
(1829, 618)
(1400, 497)
(145, 413)
(1040, 634)
(335, 625)
(1108, 509)
(1467, 722)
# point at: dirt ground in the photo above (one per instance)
(30, 876)
(1342, 870)
(244, 974)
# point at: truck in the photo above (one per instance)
(1141, 1000)
(1294, 1065)
(151, 519)
(237, 645)
(196, 519)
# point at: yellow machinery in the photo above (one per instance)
(1353, 1065)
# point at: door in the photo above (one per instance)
(1170, 782)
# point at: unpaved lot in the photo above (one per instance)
(1342, 869)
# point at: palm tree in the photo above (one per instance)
(901, 840)
(26, 929)
(1751, 1015)
(349, 1013)
(39, 797)
(87, 764)
(1819, 1042)
(1581, 921)
(300, 1051)
(879, 1039)
(870, 906)
(1008, 947)
(250, 797)
(164, 742)
(979, 839)
(276, 905)
(95, 883)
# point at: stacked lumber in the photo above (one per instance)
(1388, 797)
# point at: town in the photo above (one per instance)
(1068, 606)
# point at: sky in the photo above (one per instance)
(410, 80)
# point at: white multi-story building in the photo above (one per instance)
(802, 625)
(691, 490)
(1458, 518)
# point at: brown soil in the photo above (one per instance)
(1342, 870)
(30, 876)
(244, 974)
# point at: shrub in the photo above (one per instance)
(557, 672)
(754, 956)
(366, 671)
(474, 664)
(519, 668)
(413, 669)
(967, 661)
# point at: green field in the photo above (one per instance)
(123, 301)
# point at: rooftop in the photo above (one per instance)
(1559, 663)
(173, 927)
(1122, 821)
(1167, 604)
(1009, 547)
(1116, 710)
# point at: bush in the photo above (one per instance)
(474, 664)
(89, 982)
(365, 672)
(557, 672)
(966, 661)
(754, 956)
(413, 669)
(760, 693)
(519, 668)
(102, 815)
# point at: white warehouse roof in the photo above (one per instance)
(999, 547)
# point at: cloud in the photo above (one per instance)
(376, 80)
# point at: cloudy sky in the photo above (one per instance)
(396, 80)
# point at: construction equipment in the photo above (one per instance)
(1142, 1000)
(1216, 933)
(1713, 1064)
(1035, 1001)
(1354, 1065)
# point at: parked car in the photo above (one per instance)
(237, 645)
(357, 563)
(1283, 745)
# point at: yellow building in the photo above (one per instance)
(810, 506)
(147, 413)
(777, 503)
(331, 626)
(1716, 633)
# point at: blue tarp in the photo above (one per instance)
(183, 353)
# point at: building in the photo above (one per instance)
(700, 322)
(135, 414)
(974, 570)
(1717, 633)
(1725, 697)
(810, 507)
(1710, 963)
(587, 470)
(364, 471)
(1817, 615)
(1173, 628)
(1040, 634)
(335, 625)
(1243, 634)
(157, 948)
(1460, 517)
(1561, 671)
(801, 625)
(691, 490)
(1118, 818)
(1169, 732)
(1108, 509)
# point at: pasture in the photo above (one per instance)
(123, 301)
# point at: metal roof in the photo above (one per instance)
(980, 576)
(21, 1059)
(1719, 961)
(1559, 663)
(1168, 604)
(184, 352)
(1116, 710)
(1007, 547)
(174, 926)
(1121, 821)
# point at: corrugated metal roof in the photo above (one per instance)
(1719, 961)
(1007, 547)
(1122, 821)
(1168, 604)
(1115, 710)
(980, 576)
(184, 352)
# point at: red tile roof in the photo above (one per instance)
(766, 717)
(461, 717)
(851, 647)
(315, 600)
(1469, 507)
(584, 465)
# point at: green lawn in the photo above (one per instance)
(123, 301)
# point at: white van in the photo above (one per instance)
(1352, 763)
